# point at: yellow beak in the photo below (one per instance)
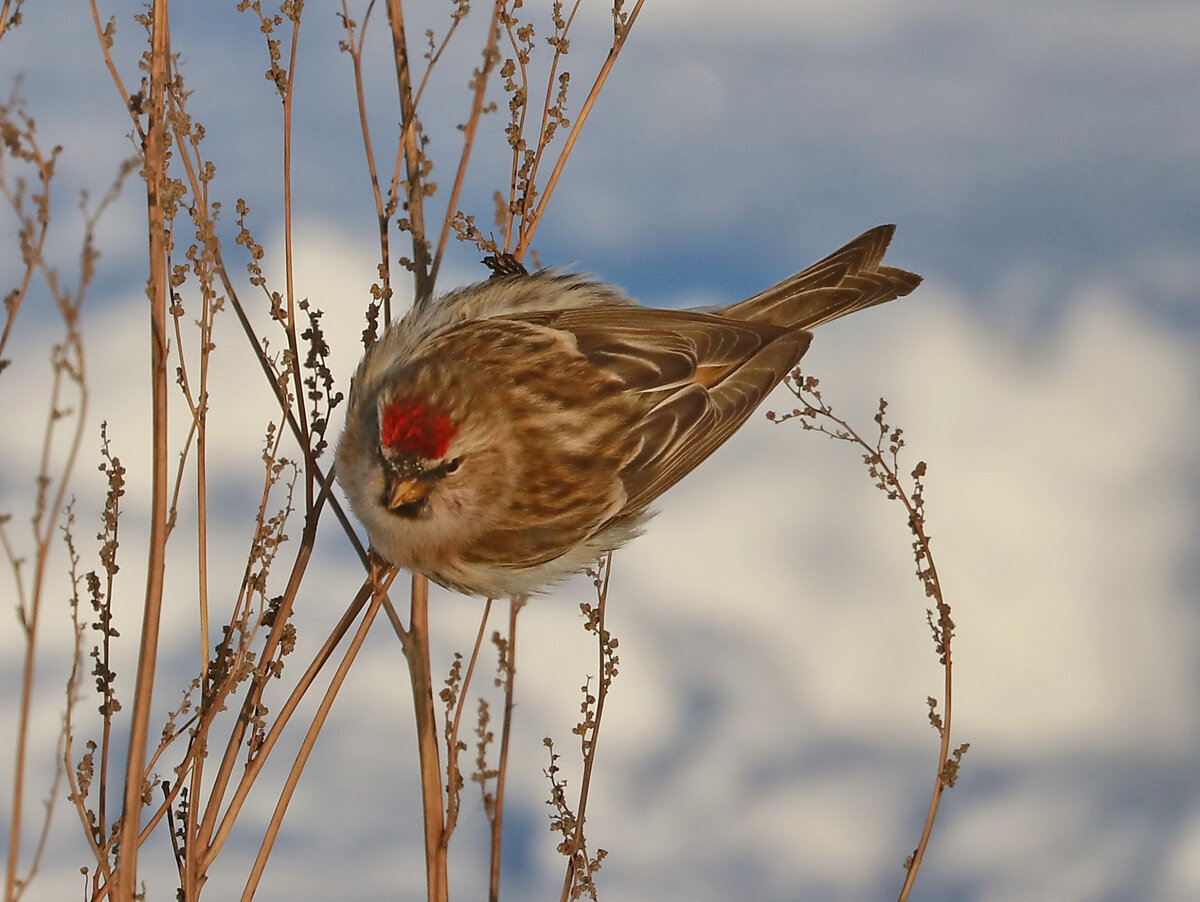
(406, 491)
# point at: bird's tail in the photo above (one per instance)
(851, 278)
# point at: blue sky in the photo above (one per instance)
(767, 735)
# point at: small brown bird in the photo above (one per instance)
(510, 433)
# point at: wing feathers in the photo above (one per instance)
(690, 425)
(691, 378)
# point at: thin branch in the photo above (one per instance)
(10, 16)
(621, 33)
(155, 174)
(416, 652)
(479, 85)
(580, 867)
(453, 773)
(255, 765)
(105, 35)
(549, 126)
(510, 675)
(414, 160)
(882, 459)
(306, 747)
(383, 212)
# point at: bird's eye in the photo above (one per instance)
(451, 465)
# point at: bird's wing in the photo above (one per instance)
(689, 425)
(692, 379)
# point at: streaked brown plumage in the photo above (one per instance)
(508, 434)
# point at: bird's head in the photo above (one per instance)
(417, 444)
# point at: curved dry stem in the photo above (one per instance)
(104, 34)
(562, 28)
(453, 774)
(289, 267)
(69, 368)
(258, 761)
(383, 212)
(882, 460)
(529, 226)
(578, 862)
(45, 519)
(306, 747)
(490, 58)
(510, 676)
(946, 770)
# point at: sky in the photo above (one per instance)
(767, 734)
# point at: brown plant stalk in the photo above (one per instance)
(509, 667)
(882, 460)
(310, 739)
(621, 29)
(158, 291)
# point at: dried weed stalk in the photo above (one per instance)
(566, 820)
(28, 194)
(882, 459)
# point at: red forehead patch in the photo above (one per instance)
(410, 427)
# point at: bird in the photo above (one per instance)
(508, 434)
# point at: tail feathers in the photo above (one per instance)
(851, 278)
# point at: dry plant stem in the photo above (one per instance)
(199, 421)
(44, 521)
(114, 74)
(33, 233)
(103, 864)
(289, 270)
(415, 194)
(514, 177)
(254, 766)
(887, 478)
(543, 130)
(197, 403)
(589, 744)
(490, 56)
(8, 15)
(939, 787)
(310, 739)
(531, 223)
(452, 770)
(69, 362)
(253, 696)
(285, 407)
(410, 125)
(197, 406)
(510, 674)
(940, 783)
(155, 151)
(416, 651)
(383, 212)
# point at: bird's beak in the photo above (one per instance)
(406, 491)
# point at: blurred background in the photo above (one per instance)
(767, 736)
